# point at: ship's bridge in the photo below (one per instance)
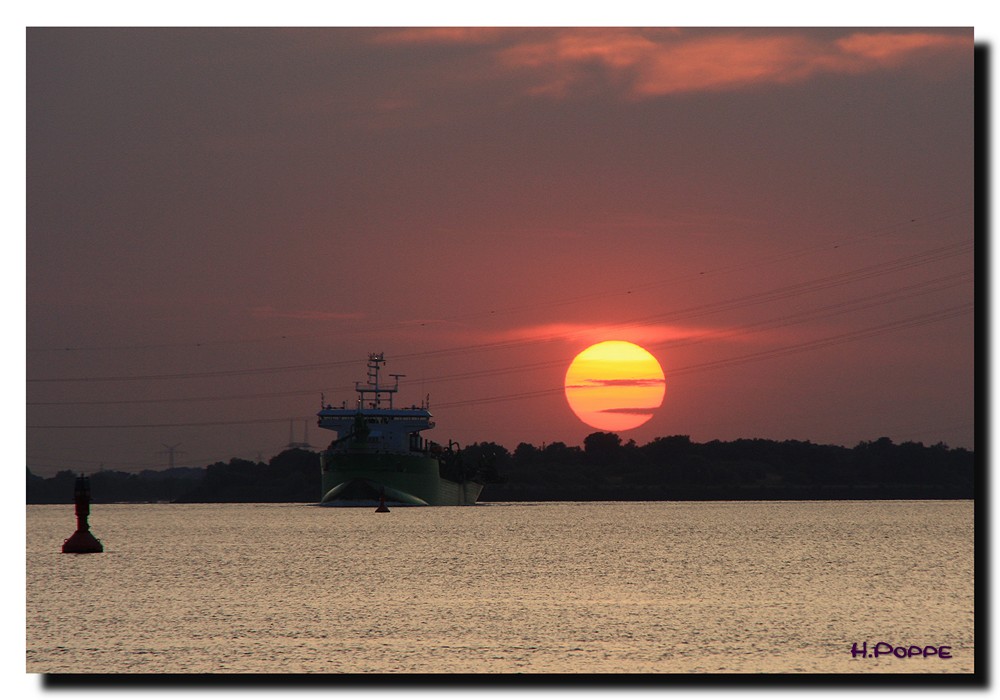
(408, 419)
(378, 428)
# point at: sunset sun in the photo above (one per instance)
(614, 385)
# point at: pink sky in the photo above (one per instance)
(221, 224)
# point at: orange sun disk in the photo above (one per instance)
(614, 385)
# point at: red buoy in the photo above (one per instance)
(382, 507)
(81, 541)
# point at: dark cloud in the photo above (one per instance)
(629, 411)
(594, 383)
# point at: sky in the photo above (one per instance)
(221, 224)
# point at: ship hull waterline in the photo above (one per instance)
(352, 479)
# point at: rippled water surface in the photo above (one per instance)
(554, 587)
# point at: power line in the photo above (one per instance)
(902, 293)
(51, 462)
(739, 267)
(837, 339)
(874, 233)
(780, 293)
(191, 424)
(161, 346)
(194, 399)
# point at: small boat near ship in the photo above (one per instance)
(380, 455)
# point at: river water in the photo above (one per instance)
(664, 587)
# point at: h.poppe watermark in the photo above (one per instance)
(901, 651)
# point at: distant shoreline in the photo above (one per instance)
(671, 468)
(554, 500)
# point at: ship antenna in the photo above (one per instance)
(395, 387)
(375, 362)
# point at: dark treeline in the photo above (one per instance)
(605, 468)
(674, 468)
(289, 477)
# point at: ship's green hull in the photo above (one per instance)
(362, 478)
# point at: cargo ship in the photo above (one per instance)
(380, 455)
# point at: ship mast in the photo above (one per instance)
(375, 362)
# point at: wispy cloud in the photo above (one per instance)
(426, 322)
(303, 314)
(440, 35)
(893, 48)
(651, 62)
(592, 333)
(627, 411)
(601, 383)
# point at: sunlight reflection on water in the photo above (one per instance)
(557, 587)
